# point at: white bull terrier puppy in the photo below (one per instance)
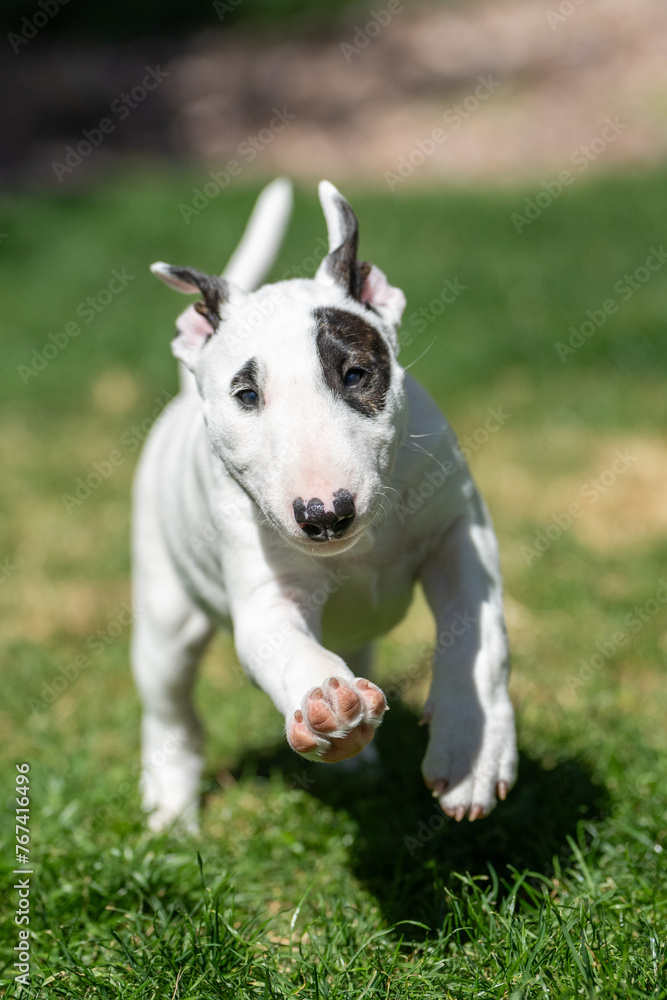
(272, 498)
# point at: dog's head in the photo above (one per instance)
(302, 393)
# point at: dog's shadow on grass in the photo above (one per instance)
(406, 850)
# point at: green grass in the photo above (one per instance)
(306, 882)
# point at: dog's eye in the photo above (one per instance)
(248, 398)
(354, 377)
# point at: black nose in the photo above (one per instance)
(321, 525)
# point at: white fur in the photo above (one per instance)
(216, 544)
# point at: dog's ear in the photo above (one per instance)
(198, 322)
(388, 301)
(341, 266)
(361, 280)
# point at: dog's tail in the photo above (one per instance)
(254, 256)
(263, 235)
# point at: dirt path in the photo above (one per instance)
(514, 87)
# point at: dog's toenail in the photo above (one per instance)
(317, 693)
(334, 683)
(298, 715)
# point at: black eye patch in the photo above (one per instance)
(354, 358)
(244, 385)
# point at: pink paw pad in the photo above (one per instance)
(349, 709)
(375, 703)
(333, 707)
(300, 735)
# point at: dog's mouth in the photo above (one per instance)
(329, 546)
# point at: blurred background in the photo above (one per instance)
(360, 85)
(508, 164)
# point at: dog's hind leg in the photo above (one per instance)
(170, 634)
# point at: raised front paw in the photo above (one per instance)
(336, 720)
(471, 759)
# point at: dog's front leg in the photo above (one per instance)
(330, 714)
(471, 756)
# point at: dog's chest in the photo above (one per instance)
(364, 601)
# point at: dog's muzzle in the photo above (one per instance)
(322, 525)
